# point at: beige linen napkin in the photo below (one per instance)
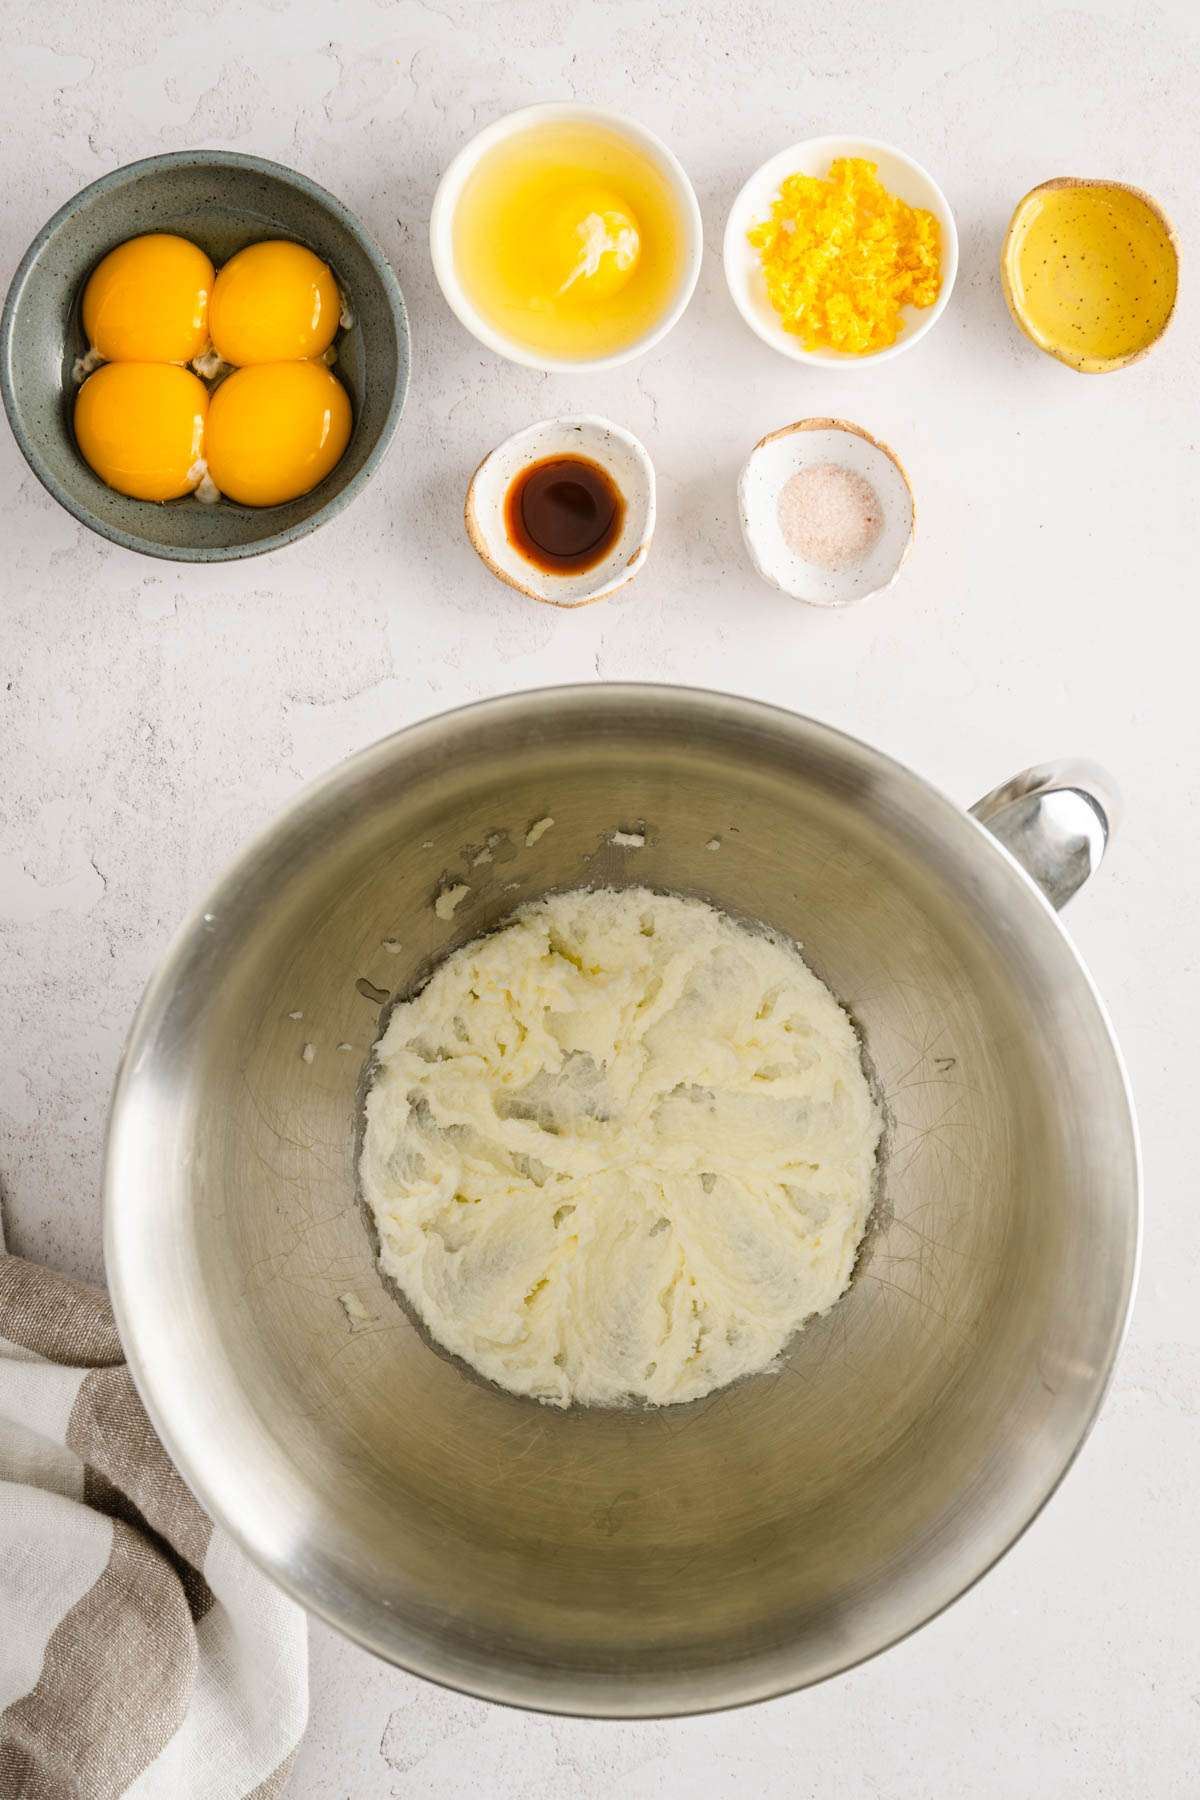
(140, 1653)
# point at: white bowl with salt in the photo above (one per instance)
(826, 511)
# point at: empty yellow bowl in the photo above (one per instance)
(1090, 270)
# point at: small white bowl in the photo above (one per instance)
(774, 460)
(743, 269)
(616, 450)
(449, 193)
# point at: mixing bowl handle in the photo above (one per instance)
(1056, 820)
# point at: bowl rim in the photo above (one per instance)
(774, 334)
(625, 571)
(821, 424)
(449, 191)
(124, 1244)
(123, 176)
(1086, 365)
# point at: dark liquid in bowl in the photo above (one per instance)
(564, 514)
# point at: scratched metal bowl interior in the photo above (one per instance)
(641, 1561)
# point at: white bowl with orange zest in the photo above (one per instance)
(802, 255)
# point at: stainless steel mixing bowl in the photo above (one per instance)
(632, 1562)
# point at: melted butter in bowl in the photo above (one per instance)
(566, 237)
(1090, 271)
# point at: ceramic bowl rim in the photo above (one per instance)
(1089, 365)
(448, 193)
(820, 424)
(629, 568)
(123, 176)
(914, 330)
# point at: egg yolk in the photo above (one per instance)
(275, 430)
(589, 244)
(273, 301)
(140, 426)
(147, 301)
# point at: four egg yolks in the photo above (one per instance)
(149, 427)
(275, 430)
(589, 244)
(273, 302)
(140, 426)
(147, 301)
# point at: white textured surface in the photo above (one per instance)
(152, 717)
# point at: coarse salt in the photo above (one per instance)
(830, 515)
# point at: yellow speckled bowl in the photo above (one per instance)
(1090, 271)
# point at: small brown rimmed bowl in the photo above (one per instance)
(807, 444)
(623, 457)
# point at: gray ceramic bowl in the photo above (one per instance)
(222, 201)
